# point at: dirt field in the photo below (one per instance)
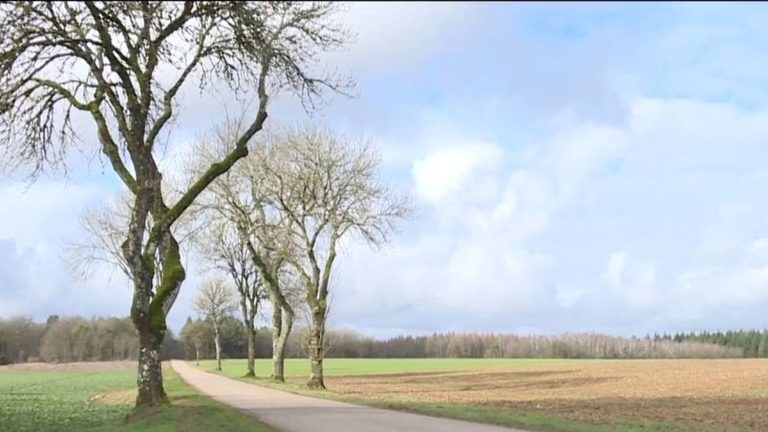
(727, 394)
(124, 365)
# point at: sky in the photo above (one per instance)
(572, 167)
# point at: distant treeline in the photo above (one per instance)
(754, 343)
(477, 345)
(71, 339)
(350, 344)
(68, 339)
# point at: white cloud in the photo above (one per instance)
(445, 172)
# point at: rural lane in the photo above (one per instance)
(289, 412)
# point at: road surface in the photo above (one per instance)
(289, 412)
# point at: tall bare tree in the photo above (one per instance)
(236, 200)
(215, 300)
(219, 243)
(326, 187)
(123, 64)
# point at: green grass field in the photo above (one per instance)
(58, 400)
(300, 367)
(549, 395)
(70, 399)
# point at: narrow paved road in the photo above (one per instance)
(289, 412)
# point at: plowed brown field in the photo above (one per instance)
(728, 394)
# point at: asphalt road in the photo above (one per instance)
(289, 412)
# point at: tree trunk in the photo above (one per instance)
(282, 323)
(217, 342)
(317, 348)
(277, 353)
(197, 355)
(150, 306)
(150, 325)
(150, 375)
(251, 335)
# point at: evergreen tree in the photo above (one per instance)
(754, 345)
(762, 350)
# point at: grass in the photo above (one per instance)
(77, 400)
(191, 412)
(33, 400)
(333, 367)
(547, 395)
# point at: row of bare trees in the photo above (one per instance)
(274, 223)
(269, 228)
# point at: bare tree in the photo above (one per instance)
(198, 334)
(222, 246)
(236, 201)
(104, 229)
(325, 187)
(263, 233)
(215, 300)
(123, 64)
(20, 339)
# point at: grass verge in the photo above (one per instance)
(190, 412)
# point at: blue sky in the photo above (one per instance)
(574, 167)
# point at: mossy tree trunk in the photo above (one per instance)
(148, 312)
(150, 376)
(317, 347)
(158, 257)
